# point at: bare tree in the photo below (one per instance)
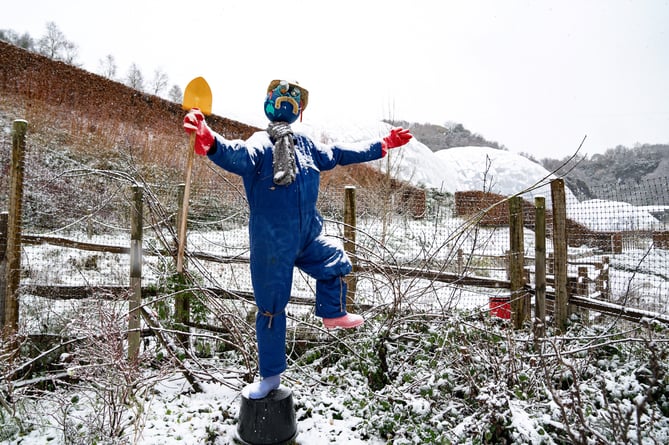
(70, 54)
(50, 44)
(175, 94)
(7, 35)
(159, 81)
(135, 79)
(24, 41)
(55, 45)
(107, 67)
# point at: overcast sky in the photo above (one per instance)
(535, 76)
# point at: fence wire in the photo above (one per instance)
(624, 235)
(628, 228)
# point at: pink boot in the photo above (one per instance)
(347, 321)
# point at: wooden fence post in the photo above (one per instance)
(135, 303)
(520, 306)
(89, 223)
(602, 279)
(349, 241)
(560, 253)
(582, 290)
(3, 266)
(14, 221)
(540, 267)
(582, 283)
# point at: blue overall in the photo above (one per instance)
(285, 232)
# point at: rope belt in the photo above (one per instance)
(271, 317)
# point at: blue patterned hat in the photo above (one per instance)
(285, 101)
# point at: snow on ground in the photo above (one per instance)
(173, 416)
(602, 215)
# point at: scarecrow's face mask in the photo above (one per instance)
(284, 102)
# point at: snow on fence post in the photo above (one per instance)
(135, 303)
(349, 241)
(14, 221)
(602, 280)
(560, 253)
(519, 298)
(582, 282)
(582, 291)
(3, 266)
(539, 267)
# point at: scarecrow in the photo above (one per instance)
(281, 174)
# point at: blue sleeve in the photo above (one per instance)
(234, 156)
(328, 157)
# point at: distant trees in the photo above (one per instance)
(451, 134)
(175, 94)
(159, 82)
(134, 78)
(530, 156)
(55, 45)
(23, 41)
(107, 67)
(157, 85)
(590, 177)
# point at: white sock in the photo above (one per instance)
(259, 390)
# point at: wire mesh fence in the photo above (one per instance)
(627, 225)
(623, 237)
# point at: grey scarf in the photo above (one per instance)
(284, 152)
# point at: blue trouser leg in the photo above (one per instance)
(325, 260)
(271, 337)
(272, 292)
(273, 257)
(272, 260)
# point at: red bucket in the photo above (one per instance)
(500, 307)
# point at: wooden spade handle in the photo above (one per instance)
(184, 205)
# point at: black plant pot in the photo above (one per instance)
(268, 421)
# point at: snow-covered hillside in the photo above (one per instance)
(496, 171)
(455, 169)
(602, 215)
(479, 168)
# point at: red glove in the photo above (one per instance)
(204, 138)
(396, 138)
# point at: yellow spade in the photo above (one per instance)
(196, 95)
